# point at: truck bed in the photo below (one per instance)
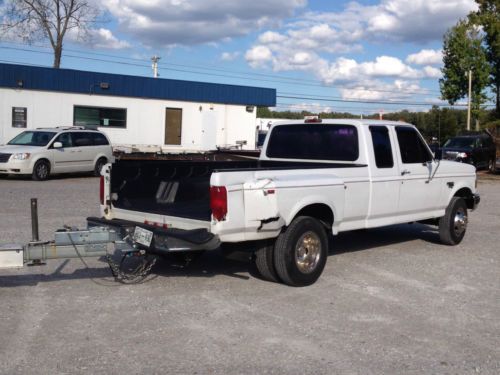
(182, 188)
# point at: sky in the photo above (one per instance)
(361, 56)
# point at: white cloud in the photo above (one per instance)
(380, 90)
(190, 22)
(432, 72)
(259, 56)
(229, 56)
(426, 57)
(309, 107)
(97, 38)
(104, 39)
(402, 20)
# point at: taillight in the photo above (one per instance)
(101, 190)
(218, 202)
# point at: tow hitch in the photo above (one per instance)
(75, 243)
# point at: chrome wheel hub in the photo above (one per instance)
(307, 252)
(460, 221)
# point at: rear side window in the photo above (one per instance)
(412, 147)
(382, 146)
(314, 141)
(99, 139)
(81, 139)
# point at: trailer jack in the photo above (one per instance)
(69, 243)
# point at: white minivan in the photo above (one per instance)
(46, 151)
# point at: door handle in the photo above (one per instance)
(405, 171)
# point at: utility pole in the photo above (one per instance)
(469, 101)
(155, 60)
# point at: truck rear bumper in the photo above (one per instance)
(165, 240)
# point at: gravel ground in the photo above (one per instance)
(390, 301)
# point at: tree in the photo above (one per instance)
(463, 50)
(488, 17)
(35, 20)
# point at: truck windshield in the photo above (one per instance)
(32, 138)
(460, 142)
(314, 142)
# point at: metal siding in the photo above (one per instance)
(82, 82)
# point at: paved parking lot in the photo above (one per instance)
(390, 301)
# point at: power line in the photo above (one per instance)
(345, 100)
(276, 79)
(293, 96)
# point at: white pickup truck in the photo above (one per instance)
(312, 179)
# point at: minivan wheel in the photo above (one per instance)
(300, 252)
(100, 163)
(491, 166)
(453, 224)
(41, 170)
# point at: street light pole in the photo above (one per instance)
(469, 101)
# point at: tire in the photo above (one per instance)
(300, 252)
(41, 170)
(264, 261)
(491, 166)
(453, 225)
(101, 162)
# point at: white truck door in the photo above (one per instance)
(385, 180)
(419, 192)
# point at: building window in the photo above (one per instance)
(19, 117)
(100, 117)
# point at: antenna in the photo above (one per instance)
(155, 60)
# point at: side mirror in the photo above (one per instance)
(57, 145)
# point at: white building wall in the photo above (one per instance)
(204, 125)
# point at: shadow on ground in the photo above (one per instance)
(238, 265)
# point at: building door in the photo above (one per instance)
(173, 126)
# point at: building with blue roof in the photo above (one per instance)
(132, 110)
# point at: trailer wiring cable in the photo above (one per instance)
(135, 277)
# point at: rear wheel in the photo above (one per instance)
(300, 252)
(41, 170)
(453, 224)
(264, 261)
(100, 163)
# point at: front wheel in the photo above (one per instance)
(453, 224)
(41, 170)
(300, 252)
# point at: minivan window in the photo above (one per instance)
(99, 139)
(65, 139)
(412, 147)
(32, 138)
(81, 139)
(382, 146)
(314, 141)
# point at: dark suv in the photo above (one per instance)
(476, 149)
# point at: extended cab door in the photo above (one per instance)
(419, 191)
(385, 177)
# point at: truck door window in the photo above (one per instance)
(314, 141)
(412, 147)
(382, 146)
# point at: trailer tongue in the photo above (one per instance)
(95, 241)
